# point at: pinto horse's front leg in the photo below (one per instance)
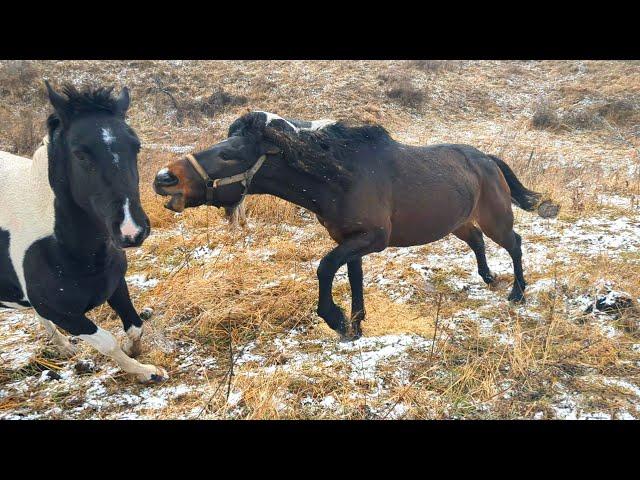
(120, 301)
(351, 250)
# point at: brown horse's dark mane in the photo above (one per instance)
(326, 154)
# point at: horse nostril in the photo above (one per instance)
(165, 178)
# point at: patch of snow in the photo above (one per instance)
(141, 281)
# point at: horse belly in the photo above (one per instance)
(420, 219)
(11, 294)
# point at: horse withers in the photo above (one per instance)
(67, 214)
(368, 190)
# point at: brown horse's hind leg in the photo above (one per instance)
(510, 241)
(472, 235)
(495, 218)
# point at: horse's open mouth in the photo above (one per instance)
(175, 203)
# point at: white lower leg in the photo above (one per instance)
(242, 214)
(133, 344)
(60, 340)
(106, 344)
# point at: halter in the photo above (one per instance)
(211, 184)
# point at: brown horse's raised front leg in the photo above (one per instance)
(353, 248)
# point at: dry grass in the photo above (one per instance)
(235, 310)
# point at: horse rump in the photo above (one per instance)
(524, 198)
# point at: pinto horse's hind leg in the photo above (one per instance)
(120, 301)
(472, 235)
(66, 348)
(352, 249)
(105, 343)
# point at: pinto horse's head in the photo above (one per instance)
(93, 155)
(248, 140)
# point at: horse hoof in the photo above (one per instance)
(155, 375)
(488, 278)
(132, 348)
(146, 313)
(516, 297)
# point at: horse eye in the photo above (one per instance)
(80, 154)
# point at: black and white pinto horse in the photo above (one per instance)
(66, 216)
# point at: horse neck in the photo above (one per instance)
(277, 178)
(80, 234)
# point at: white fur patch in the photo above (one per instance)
(128, 228)
(315, 124)
(319, 124)
(134, 333)
(26, 195)
(108, 139)
(17, 306)
(102, 340)
(273, 116)
(107, 136)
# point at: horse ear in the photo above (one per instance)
(122, 102)
(60, 104)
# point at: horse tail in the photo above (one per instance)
(522, 197)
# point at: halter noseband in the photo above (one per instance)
(211, 184)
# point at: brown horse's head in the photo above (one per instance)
(249, 139)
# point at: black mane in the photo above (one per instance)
(87, 100)
(326, 154)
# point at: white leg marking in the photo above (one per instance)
(17, 306)
(60, 340)
(128, 228)
(106, 344)
(133, 345)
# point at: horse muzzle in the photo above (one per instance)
(166, 184)
(132, 241)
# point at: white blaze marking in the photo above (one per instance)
(128, 228)
(107, 136)
(108, 139)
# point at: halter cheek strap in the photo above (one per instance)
(210, 185)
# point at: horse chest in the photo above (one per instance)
(54, 281)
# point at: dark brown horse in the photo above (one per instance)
(369, 191)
